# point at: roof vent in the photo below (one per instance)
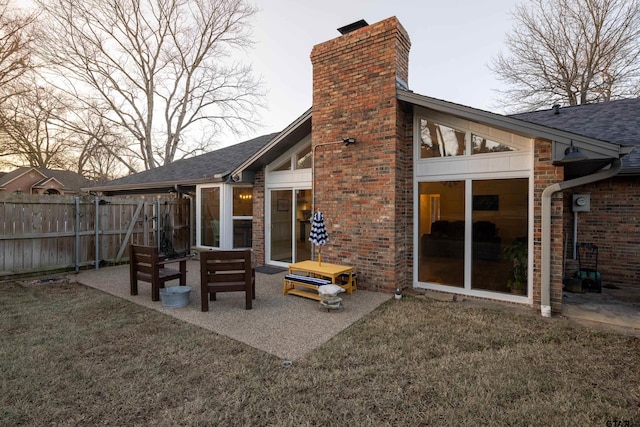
(556, 109)
(352, 27)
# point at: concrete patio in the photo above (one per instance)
(288, 327)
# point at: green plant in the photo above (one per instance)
(517, 254)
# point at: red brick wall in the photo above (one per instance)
(545, 175)
(364, 189)
(258, 217)
(612, 224)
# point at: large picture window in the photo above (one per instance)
(472, 205)
(482, 246)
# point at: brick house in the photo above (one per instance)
(416, 192)
(31, 180)
(612, 219)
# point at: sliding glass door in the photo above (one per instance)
(473, 234)
(289, 217)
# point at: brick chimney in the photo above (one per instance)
(364, 189)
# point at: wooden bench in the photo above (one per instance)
(145, 264)
(306, 282)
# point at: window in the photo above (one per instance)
(500, 217)
(442, 232)
(303, 158)
(494, 230)
(482, 145)
(299, 160)
(462, 138)
(437, 140)
(210, 217)
(242, 217)
(285, 166)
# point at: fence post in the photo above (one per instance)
(158, 222)
(77, 235)
(97, 227)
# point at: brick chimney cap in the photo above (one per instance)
(353, 26)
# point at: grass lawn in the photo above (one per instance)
(71, 355)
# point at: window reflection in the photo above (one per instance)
(242, 229)
(498, 234)
(499, 224)
(438, 140)
(483, 145)
(442, 233)
(303, 158)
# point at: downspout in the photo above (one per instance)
(545, 291)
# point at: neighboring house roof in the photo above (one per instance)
(15, 174)
(71, 181)
(209, 167)
(613, 121)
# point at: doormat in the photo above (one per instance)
(267, 269)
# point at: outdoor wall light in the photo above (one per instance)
(572, 154)
(348, 141)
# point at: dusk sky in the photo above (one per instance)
(451, 45)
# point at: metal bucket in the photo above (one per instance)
(175, 296)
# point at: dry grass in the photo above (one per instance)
(71, 355)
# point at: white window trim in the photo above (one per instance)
(226, 215)
(291, 154)
(524, 167)
(294, 179)
(237, 217)
(522, 144)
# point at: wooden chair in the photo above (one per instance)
(145, 264)
(226, 271)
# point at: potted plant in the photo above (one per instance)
(517, 254)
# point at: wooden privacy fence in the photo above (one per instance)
(39, 234)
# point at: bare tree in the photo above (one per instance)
(101, 153)
(159, 69)
(15, 61)
(571, 52)
(31, 133)
(15, 51)
(99, 149)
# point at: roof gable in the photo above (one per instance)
(17, 173)
(43, 182)
(68, 180)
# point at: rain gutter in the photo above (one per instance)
(547, 193)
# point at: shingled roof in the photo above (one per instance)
(613, 121)
(71, 181)
(207, 167)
